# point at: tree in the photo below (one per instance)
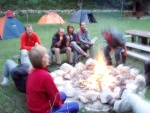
(79, 4)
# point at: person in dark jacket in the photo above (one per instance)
(147, 72)
(115, 42)
(72, 42)
(59, 45)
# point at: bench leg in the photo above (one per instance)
(123, 58)
(133, 38)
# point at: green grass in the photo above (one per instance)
(13, 101)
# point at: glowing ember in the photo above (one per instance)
(101, 76)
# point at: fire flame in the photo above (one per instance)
(101, 77)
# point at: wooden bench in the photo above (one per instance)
(142, 36)
(138, 54)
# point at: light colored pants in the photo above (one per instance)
(9, 65)
(86, 46)
(25, 57)
(77, 50)
(57, 52)
(90, 48)
(132, 103)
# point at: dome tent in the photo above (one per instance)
(51, 18)
(82, 15)
(10, 27)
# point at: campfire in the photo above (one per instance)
(91, 83)
(100, 76)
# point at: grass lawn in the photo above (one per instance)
(12, 101)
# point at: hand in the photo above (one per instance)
(124, 53)
(68, 38)
(90, 43)
(61, 38)
(73, 42)
(36, 44)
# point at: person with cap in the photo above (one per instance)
(115, 42)
(72, 42)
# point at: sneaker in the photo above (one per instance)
(86, 55)
(4, 84)
(58, 66)
(109, 63)
(49, 68)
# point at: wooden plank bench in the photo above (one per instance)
(138, 54)
(143, 36)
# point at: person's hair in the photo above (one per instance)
(28, 25)
(81, 22)
(61, 29)
(70, 26)
(36, 54)
(105, 31)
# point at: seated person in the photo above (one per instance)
(59, 45)
(132, 103)
(28, 40)
(42, 93)
(72, 42)
(85, 40)
(18, 73)
(147, 72)
(115, 41)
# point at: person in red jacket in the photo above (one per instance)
(28, 40)
(41, 92)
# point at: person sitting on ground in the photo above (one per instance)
(85, 40)
(147, 72)
(41, 91)
(115, 41)
(28, 40)
(59, 46)
(18, 73)
(132, 103)
(72, 42)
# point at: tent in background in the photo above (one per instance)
(10, 27)
(51, 18)
(82, 15)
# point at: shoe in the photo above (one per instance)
(109, 63)
(111, 100)
(86, 55)
(49, 69)
(58, 66)
(4, 84)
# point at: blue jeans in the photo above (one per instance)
(118, 56)
(25, 57)
(69, 107)
(77, 50)
(9, 65)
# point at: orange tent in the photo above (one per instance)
(51, 18)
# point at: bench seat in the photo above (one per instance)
(138, 46)
(138, 55)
